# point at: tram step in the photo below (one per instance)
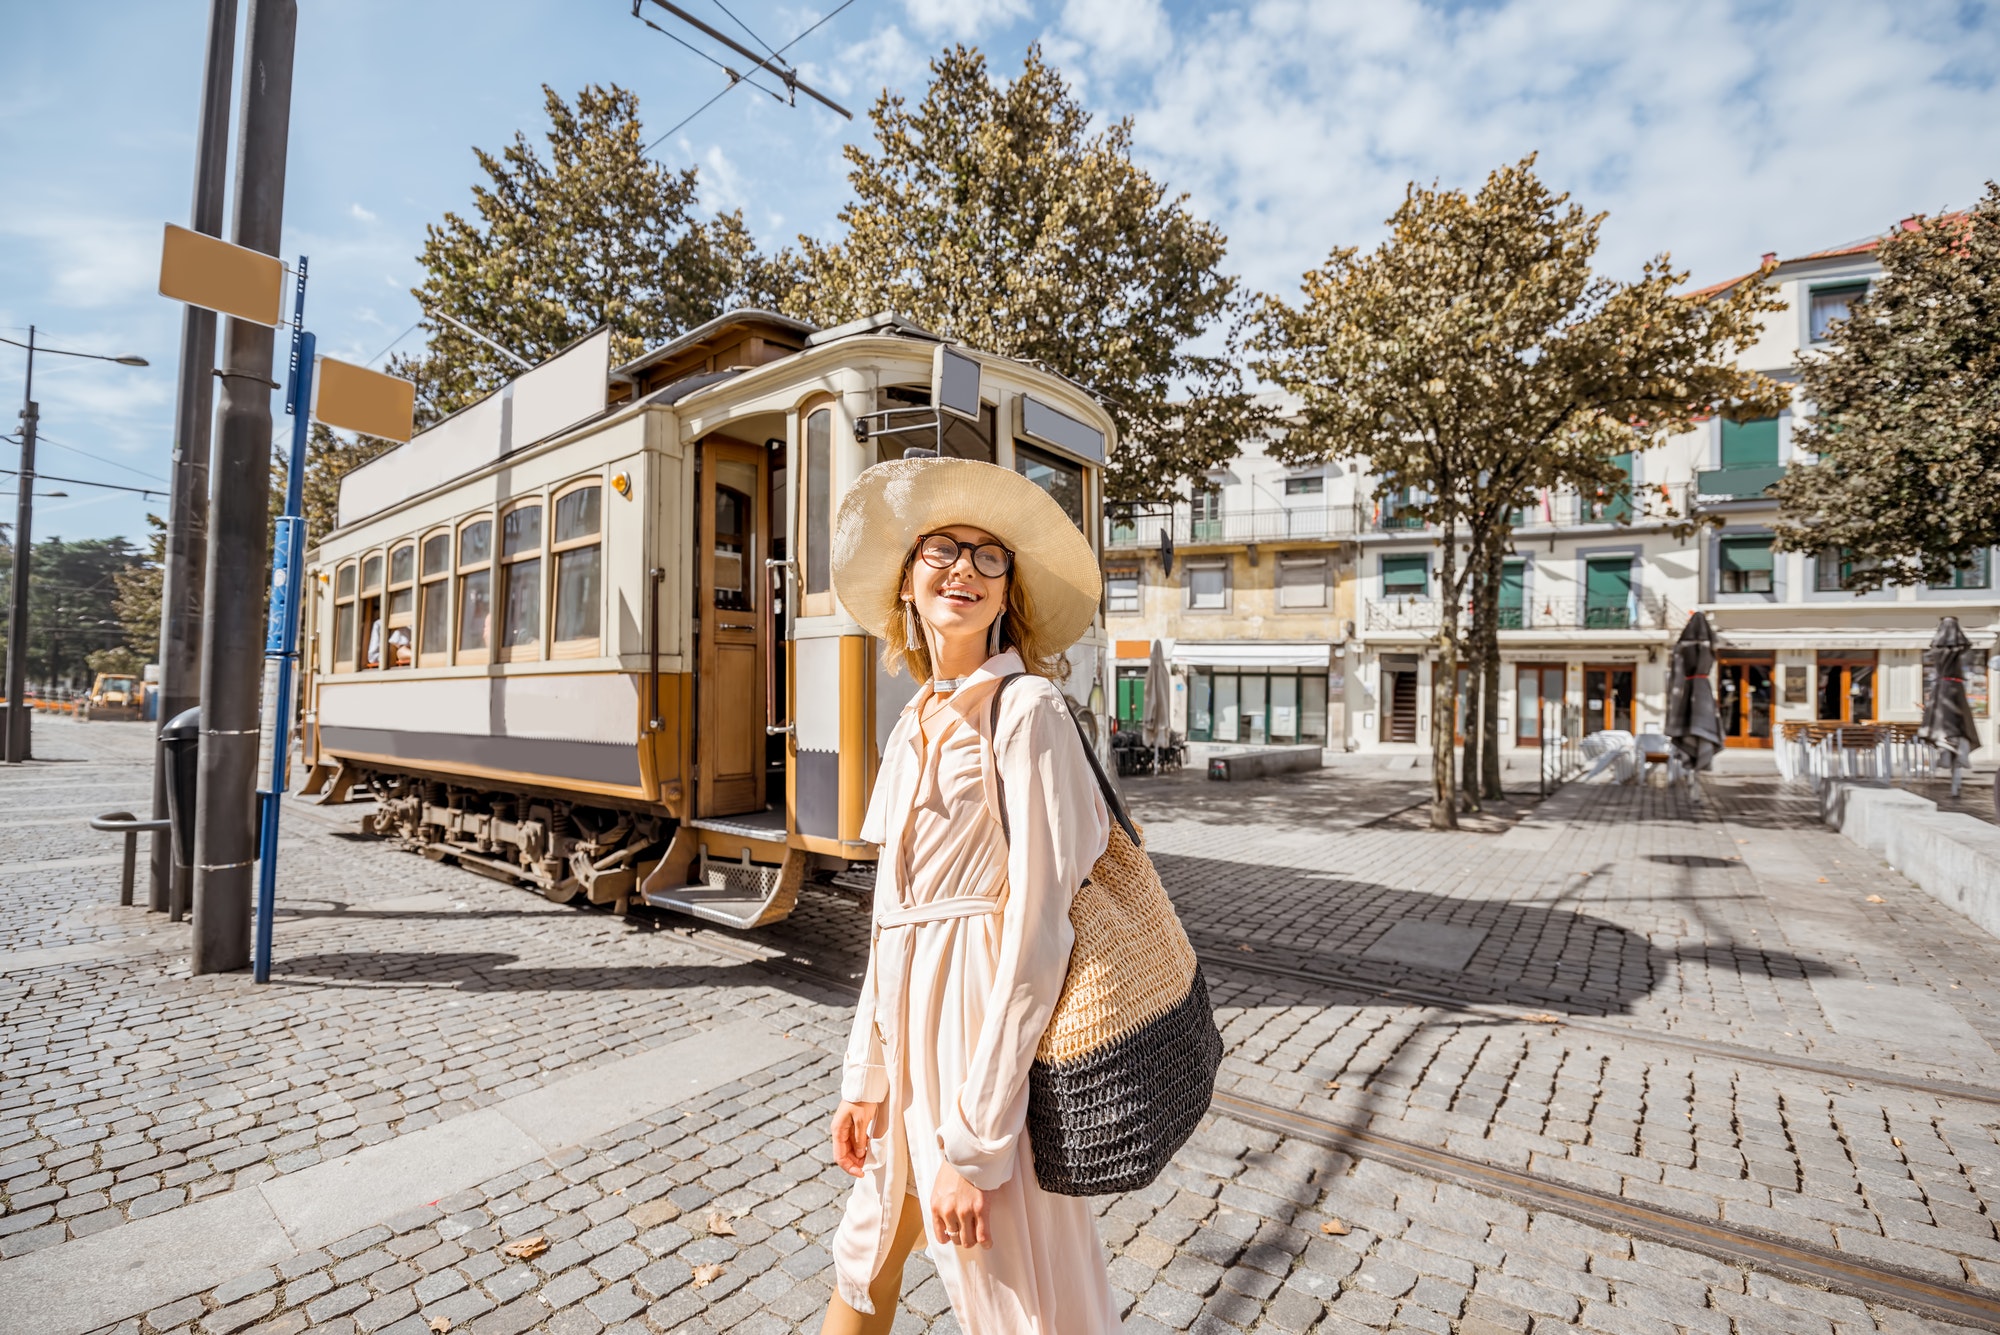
(716, 904)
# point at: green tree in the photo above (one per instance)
(329, 458)
(1905, 427)
(994, 215)
(73, 606)
(136, 595)
(594, 233)
(1473, 358)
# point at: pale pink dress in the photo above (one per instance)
(972, 942)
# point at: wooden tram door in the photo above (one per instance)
(732, 532)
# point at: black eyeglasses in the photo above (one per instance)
(941, 551)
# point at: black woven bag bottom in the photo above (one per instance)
(1110, 1120)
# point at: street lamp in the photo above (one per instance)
(16, 742)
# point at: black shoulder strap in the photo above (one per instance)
(1112, 801)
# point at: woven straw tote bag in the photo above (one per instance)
(1127, 1065)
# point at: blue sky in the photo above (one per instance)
(1710, 129)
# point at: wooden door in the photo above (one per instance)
(1743, 699)
(1847, 686)
(1607, 699)
(731, 535)
(1538, 701)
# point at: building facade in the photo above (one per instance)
(1297, 607)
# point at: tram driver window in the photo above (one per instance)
(475, 591)
(521, 582)
(578, 548)
(816, 513)
(343, 618)
(371, 610)
(434, 603)
(401, 649)
(1059, 478)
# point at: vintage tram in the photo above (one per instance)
(581, 635)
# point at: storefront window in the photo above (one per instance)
(1280, 706)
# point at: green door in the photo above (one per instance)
(1607, 594)
(1512, 586)
(1131, 699)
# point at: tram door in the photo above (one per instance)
(732, 532)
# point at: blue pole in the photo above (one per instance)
(281, 641)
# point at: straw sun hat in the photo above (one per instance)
(892, 504)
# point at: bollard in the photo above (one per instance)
(125, 823)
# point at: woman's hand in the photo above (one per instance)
(850, 1135)
(958, 1210)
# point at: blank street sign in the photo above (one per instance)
(217, 276)
(355, 398)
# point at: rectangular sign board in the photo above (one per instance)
(955, 382)
(355, 398)
(212, 274)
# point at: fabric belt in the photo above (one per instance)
(939, 910)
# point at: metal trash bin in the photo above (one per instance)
(182, 740)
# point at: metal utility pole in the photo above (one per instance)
(232, 660)
(24, 555)
(187, 514)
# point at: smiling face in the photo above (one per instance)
(958, 601)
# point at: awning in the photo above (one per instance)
(1252, 654)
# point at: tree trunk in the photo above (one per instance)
(1444, 691)
(1476, 704)
(1489, 722)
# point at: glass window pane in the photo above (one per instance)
(1201, 718)
(343, 631)
(1312, 708)
(1225, 707)
(521, 621)
(435, 622)
(1254, 726)
(576, 593)
(371, 573)
(521, 531)
(1284, 726)
(732, 539)
(1206, 586)
(1060, 479)
(437, 553)
(343, 582)
(401, 603)
(475, 543)
(1830, 304)
(577, 514)
(1305, 486)
(402, 565)
(818, 505)
(475, 609)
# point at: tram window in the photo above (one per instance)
(434, 603)
(732, 539)
(343, 619)
(475, 591)
(371, 611)
(578, 555)
(521, 586)
(1059, 478)
(817, 505)
(402, 607)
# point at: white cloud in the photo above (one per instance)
(357, 212)
(1112, 34)
(1711, 129)
(721, 183)
(963, 20)
(91, 260)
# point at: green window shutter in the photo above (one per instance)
(1607, 594)
(1405, 575)
(1513, 580)
(1747, 555)
(1750, 444)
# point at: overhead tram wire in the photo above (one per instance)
(40, 476)
(734, 77)
(783, 68)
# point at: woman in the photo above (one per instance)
(968, 573)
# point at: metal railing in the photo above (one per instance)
(1289, 524)
(1540, 614)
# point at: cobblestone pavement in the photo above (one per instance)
(407, 992)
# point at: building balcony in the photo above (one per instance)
(1736, 482)
(1647, 502)
(1230, 528)
(1542, 615)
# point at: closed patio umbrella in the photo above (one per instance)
(1692, 723)
(1948, 724)
(1156, 724)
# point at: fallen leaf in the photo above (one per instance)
(440, 1324)
(1897, 1141)
(1333, 1084)
(1333, 1228)
(1742, 841)
(619, 1192)
(1246, 948)
(705, 1275)
(1877, 899)
(526, 1249)
(650, 1214)
(1542, 1017)
(1822, 880)
(720, 1226)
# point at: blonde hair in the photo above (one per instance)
(1021, 632)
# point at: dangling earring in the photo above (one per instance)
(912, 637)
(993, 636)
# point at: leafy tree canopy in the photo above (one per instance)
(994, 215)
(138, 594)
(594, 233)
(1906, 411)
(72, 606)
